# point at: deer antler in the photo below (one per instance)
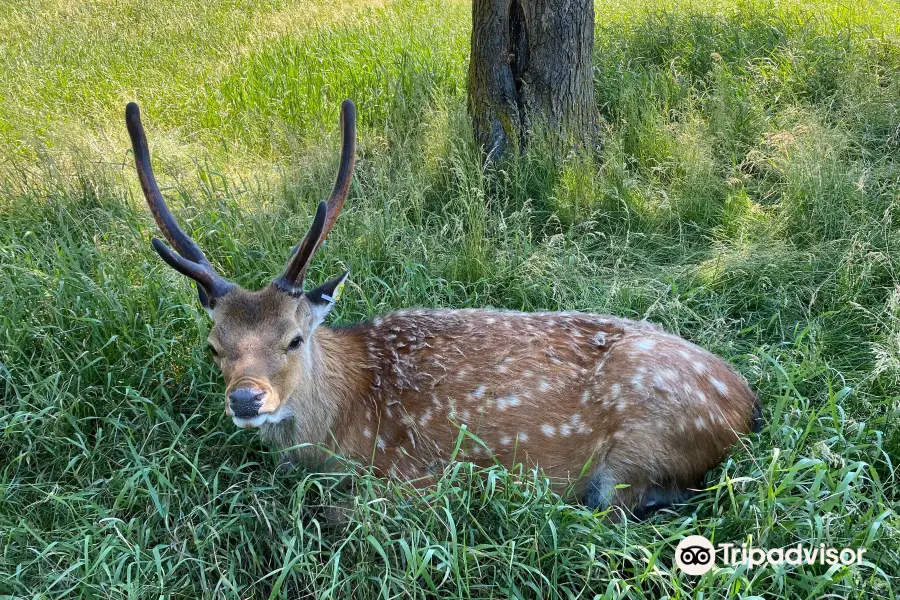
(191, 262)
(291, 280)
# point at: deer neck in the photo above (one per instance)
(343, 376)
(336, 385)
(342, 380)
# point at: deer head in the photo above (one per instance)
(262, 341)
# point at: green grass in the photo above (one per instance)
(744, 197)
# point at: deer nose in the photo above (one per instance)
(245, 402)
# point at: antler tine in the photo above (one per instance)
(291, 280)
(183, 244)
(345, 171)
(203, 274)
(192, 262)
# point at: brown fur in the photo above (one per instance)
(554, 390)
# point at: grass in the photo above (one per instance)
(744, 197)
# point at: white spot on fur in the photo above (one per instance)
(523, 436)
(614, 390)
(645, 344)
(507, 401)
(719, 385)
(367, 433)
(382, 445)
(548, 430)
(700, 423)
(545, 385)
(479, 392)
(506, 440)
(585, 397)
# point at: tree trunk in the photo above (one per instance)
(531, 66)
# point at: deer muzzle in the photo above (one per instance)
(253, 403)
(246, 402)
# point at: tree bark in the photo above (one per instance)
(531, 66)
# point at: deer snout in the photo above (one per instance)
(246, 402)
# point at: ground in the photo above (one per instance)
(743, 196)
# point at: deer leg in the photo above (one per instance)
(635, 497)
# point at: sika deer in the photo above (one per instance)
(557, 390)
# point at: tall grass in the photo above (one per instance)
(743, 197)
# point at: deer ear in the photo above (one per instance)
(322, 298)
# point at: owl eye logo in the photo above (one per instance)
(695, 555)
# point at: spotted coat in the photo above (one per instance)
(559, 391)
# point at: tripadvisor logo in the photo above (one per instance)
(695, 555)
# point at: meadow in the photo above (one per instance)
(742, 197)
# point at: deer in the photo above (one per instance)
(617, 413)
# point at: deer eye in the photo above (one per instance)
(212, 350)
(295, 343)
